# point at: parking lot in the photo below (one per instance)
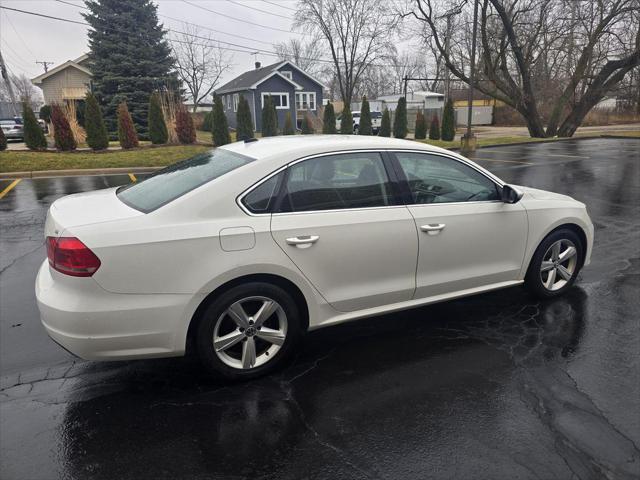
(494, 386)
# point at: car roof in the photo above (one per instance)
(292, 147)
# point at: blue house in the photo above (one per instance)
(291, 89)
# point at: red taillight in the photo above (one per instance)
(70, 256)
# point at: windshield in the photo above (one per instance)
(376, 114)
(175, 180)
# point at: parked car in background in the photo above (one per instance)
(240, 250)
(376, 121)
(12, 128)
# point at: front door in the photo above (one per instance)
(468, 237)
(340, 223)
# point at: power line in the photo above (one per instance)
(259, 10)
(278, 5)
(247, 49)
(240, 19)
(43, 15)
(19, 36)
(183, 21)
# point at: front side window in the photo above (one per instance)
(437, 179)
(280, 100)
(351, 180)
(175, 180)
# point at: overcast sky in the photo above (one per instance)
(27, 38)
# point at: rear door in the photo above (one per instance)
(341, 222)
(468, 237)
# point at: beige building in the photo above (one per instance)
(69, 81)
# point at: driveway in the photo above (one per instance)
(497, 386)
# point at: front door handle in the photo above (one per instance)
(433, 228)
(303, 241)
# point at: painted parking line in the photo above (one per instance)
(133, 177)
(9, 187)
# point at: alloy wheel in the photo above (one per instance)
(250, 332)
(558, 264)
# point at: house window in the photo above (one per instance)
(287, 73)
(306, 101)
(236, 97)
(279, 99)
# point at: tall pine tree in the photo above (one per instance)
(33, 134)
(129, 57)
(329, 119)
(244, 122)
(448, 131)
(346, 121)
(158, 133)
(220, 127)
(97, 137)
(400, 119)
(365, 118)
(269, 118)
(385, 124)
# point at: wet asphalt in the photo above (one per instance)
(489, 387)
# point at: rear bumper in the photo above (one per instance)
(95, 324)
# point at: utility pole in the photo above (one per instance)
(45, 65)
(469, 140)
(7, 80)
(447, 43)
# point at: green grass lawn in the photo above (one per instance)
(20, 161)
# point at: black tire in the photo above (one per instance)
(212, 314)
(534, 281)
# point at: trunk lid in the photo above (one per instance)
(84, 209)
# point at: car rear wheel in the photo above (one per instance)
(555, 264)
(248, 331)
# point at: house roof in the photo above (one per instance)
(68, 64)
(252, 78)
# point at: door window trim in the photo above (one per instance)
(396, 193)
(401, 193)
(406, 190)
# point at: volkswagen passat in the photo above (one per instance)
(238, 251)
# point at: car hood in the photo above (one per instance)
(86, 208)
(542, 194)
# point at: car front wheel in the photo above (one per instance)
(248, 331)
(555, 264)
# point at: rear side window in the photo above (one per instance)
(262, 198)
(174, 181)
(352, 180)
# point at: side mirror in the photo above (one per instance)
(511, 194)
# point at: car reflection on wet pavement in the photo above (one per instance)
(493, 386)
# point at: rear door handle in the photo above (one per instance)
(303, 241)
(433, 228)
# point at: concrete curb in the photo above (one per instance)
(78, 172)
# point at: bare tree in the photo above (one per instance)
(200, 62)
(305, 54)
(357, 32)
(560, 55)
(23, 89)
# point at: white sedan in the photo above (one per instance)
(237, 252)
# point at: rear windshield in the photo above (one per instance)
(175, 180)
(376, 114)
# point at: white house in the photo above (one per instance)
(420, 100)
